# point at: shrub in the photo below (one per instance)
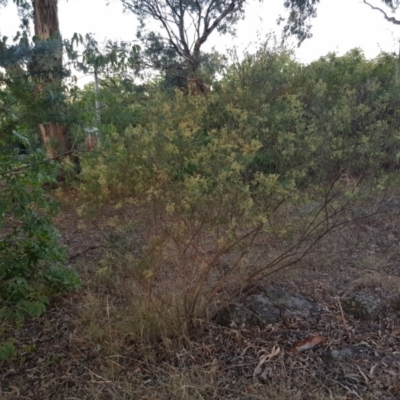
(32, 262)
(211, 227)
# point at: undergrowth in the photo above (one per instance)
(32, 262)
(209, 226)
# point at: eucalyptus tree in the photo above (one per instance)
(301, 13)
(45, 13)
(176, 48)
(389, 5)
(39, 67)
(186, 27)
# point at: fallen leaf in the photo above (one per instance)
(364, 376)
(275, 351)
(307, 343)
(371, 371)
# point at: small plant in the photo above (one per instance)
(7, 350)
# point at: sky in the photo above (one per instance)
(340, 26)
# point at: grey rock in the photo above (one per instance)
(284, 299)
(237, 314)
(348, 353)
(362, 307)
(262, 308)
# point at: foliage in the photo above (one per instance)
(111, 59)
(341, 112)
(119, 101)
(7, 350)
(301, 12)
(28, 96)
(30, 99)
(192, 164)
(356, 111)
(180, 20)
(231, 185)
(31, 259)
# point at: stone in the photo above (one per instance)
(348, 353)
(237, 314)
(362, 307)
(265, 307)
(282, 298)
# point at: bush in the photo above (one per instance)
(211, 227)
(341, 112)
(32, 262)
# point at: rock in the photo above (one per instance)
(284, 299)
(362, 307)
(239, 315)
(340, 354)
(263, 308)
(348, 353)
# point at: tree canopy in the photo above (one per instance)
(301, 12)
(186, 25)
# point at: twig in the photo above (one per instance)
(103, 380)
(25, 166)
(343, 317)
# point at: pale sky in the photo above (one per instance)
(340, 26)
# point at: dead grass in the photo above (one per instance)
(122, 338)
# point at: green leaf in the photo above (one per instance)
(7, 351)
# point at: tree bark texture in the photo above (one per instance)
(54, 136)
(45, 14)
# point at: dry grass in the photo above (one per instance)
(122, 338)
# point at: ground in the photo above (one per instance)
(69, 352)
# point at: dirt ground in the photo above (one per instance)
(358, 358)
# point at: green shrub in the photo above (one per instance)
(185, 170)
(32, 262)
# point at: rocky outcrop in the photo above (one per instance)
(270, 304)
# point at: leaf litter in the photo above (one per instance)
(334, 355)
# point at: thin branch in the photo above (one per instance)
(182, 30)
(209, 29)
(198, 25)
(26, 166)
(154, 11)
(393, 20)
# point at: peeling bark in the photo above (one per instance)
(45, 14)
(53, 135)
(54, 138)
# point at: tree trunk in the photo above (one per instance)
(53, 135)
(54, 138)
(45, 14)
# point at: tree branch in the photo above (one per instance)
(208, 30)
(393, 20)
(181, 18)
(181, 26)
